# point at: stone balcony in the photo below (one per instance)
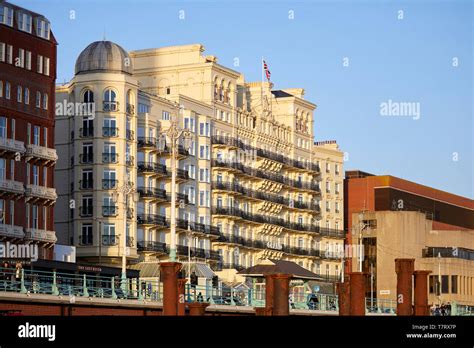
(11, 145)
(40, 235)
(11, 187)
(41, 153)
(41, 192)
(11, 231)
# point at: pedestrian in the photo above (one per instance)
(290, 300)
(200, 298)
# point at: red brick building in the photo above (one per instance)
(27, 154)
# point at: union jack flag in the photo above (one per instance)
(267, 72)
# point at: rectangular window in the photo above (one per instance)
(3, 127)
(2, 51)
(45, 222)
(1, 89)
(39, 64)
(28, 60)
(24, 22)
(21, 58)
(38, 99)
(6, 15)
(201, 128)
(19, 94)
(46, 66)
(3, 168)
(192, 171)
(13, 128)
(42, 28)
(45, 101)
(34, 216)
(444, 284)
(12, 212)
(9, 54)
(35, 175)
(201, 151)
(337, 187)
(328, 167)
(201, 198)
(45, 176)
(86, 236)
(27, 96)
(7, 90)
(336, 207)
(12, 169)
(165, 116)
(454, 284)
(36, 135)
(328, 187)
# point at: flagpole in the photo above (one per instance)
(261, 86)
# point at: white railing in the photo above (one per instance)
(41, 192)
(41, 152)
(40, 235)
(11, 231)
(12, 145)
(12, 186)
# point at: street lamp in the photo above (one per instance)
(126, 189)
(172, 137)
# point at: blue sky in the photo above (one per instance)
(403, 60)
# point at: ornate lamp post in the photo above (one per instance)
(172, 137)
(127, 189)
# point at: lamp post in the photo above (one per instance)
(173, 135)
(126, 189)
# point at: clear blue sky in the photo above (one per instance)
(407, 60)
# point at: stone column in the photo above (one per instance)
(169, 274)
(404, 269)
(421, 293)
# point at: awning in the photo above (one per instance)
(147, 269)
(279, 266)
(201, 269)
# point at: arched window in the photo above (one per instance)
(88, 96)
(110, 102)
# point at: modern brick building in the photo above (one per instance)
(27, 155)
(396, 218)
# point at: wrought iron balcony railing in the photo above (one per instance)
(110, 131)
(109, 157)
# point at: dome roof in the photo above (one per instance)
(103, 56)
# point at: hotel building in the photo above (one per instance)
(248, 181)
(27, 154)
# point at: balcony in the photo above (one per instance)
(41, 192)
(158, 247)
(40, 235)
(152, 168)
(86, 239)
(182, 174)
(109, 210)
(110, 106)
(199, 253)
(86, 132)
(152, 219)
(109, 184)
(332, 233)
(147, 142)
(110, 240)
(109, 157)
(86, 158)
(110, 132)
(86, 211)
(41, 153)
(202, 228)
(86, 184)
(12, 187)
(11, 231)
(12, 146)
(180, 198)
(152, 193)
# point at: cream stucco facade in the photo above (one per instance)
(249, 179)
(403, 234)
